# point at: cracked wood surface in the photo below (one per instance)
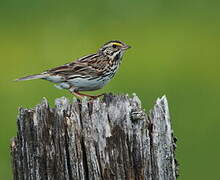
(106, 139)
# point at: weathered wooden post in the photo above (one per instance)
(104, 139)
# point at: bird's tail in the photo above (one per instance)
(35, 76)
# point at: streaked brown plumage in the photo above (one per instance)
(88, 73)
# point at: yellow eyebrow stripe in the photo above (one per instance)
(117, 44)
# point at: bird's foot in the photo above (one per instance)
(81, 95)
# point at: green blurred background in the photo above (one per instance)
(175, 52)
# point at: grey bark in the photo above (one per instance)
(109, 138)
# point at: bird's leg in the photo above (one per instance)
(77, 95)
(90, 96)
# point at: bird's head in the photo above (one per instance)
(114, 48)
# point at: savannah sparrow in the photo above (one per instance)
(88, 73)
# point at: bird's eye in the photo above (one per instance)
(114, 46)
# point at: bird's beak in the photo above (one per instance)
(126, 47)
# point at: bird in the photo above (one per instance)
(88, 73)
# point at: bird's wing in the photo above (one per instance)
(91, 65)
